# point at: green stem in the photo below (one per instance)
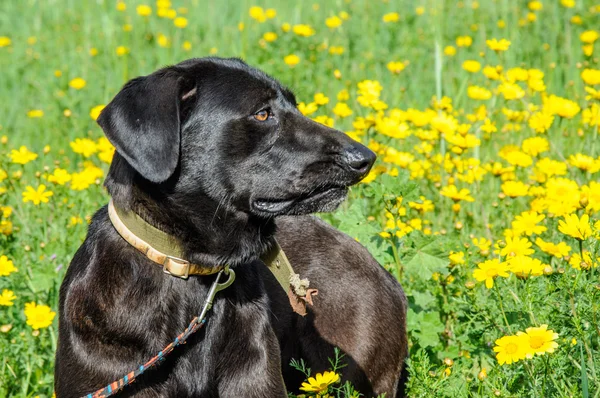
(502, 307)
(397, 262)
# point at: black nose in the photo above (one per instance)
(358, 158)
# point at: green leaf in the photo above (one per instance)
(424, 255)
(425, 327)
(584, 378)
(423, 299)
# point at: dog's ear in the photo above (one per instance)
(143, 122)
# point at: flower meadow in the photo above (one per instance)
(484, 202)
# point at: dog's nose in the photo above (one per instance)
(358, 158)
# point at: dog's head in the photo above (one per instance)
(221, 129)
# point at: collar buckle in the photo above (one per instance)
(178, 267)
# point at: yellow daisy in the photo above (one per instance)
(539, 340)
(321, 382)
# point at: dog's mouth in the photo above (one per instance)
(325, 199)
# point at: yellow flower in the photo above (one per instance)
(341, 109)
(578, 228)
(333, 22)
(291, 60)
(592, 94)
(450, 51)
(38, 316)
(6, 266)
(489, 270)
(7, 297)
(479, 93)
(517, 74)
(104, 145)
(4, 41)
(391, 17)
(270, 36)
(144, 10)
(36, 196)
(464, 41)
(270, 13)
(540, 122)
(471, 66)
(85, 178)
(6, 227)
(483, 244)
(498, 45)
(526, 223)
(321, 382)
(584, 162)
(35, 113)
(303, 30)
(321, 99)
(540, 340)
(511, 91)
(22, 156)
(561, 106)
(257, 13)
(559, 250)
(59, 176)
(535, 5)
(84, 146)
(456, 258)
(493, 72)
(453, 193)
(591, 115)
(591, 193)
(482, 375)
(516, 247)
(511, 349)
(78, 83)
(180, 22)
(75, 220)
(589, 36)
(336, 50)
(163, 41)
(515, 189)
(444, 123)
(525, 266)
(591, 76)
(122, 50)
(396, 67)
(328, 121)
(95, 111)
(6, 211)
(586, 262)
(307, 109)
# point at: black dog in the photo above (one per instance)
(210, 151)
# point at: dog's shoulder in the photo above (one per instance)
(317, 247)
(310, 230)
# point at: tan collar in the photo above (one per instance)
(166, 251)
(157, 245)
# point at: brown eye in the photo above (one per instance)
(261, 116)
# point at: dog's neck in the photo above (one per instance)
(212, 235)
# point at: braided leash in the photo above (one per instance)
(196, 323)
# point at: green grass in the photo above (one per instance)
(451, 318)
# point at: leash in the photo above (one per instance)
(194, 326)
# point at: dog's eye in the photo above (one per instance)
(262, 115)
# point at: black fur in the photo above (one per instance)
(194, 160)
